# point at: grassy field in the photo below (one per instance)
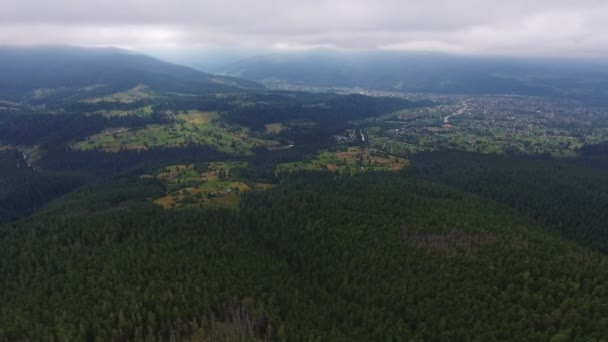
(197, 118)
(212, 185)
(190, 127)
(143, 111)
(176, 175)
(216, 194)
(274, 128)
(349, 160)
(130, 96)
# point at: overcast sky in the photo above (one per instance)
(515, 27)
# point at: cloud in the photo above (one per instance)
(564, 27)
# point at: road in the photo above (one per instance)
(461, 111)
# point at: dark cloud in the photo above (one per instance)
(467, 26)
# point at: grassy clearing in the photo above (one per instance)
(218, 194)
(176, 175)
(143, 111)
(195, 117)
(274, 128)
(130, 96)
(211, 185)
(190, 127)
(351, 160)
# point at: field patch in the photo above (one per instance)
(196, 173)
(210, 185)
(350, 160)
(217, 194)
(189, 127)
(274, 128)
(138, 93)
(195, 117)
(143, 112)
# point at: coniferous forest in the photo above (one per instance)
(143, 201)
(322, 257)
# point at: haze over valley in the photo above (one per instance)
(290, 171)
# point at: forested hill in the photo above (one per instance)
(567, 195)
(321, 257)
(50, 73)
(144, 201)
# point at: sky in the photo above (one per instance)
(513, 27)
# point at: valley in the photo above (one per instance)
(156, 202)
(306, 132)
(516, 125)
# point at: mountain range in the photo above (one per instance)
(417, 72)
(44, 74)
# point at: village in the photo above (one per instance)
(506, 124)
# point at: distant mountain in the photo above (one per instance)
(48, 73)
(206, 59)
(428, 73)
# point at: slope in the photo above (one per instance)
(43, 74)
(371, 257)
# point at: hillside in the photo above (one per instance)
(142, 201)
(53, 73)
(427, 73)
(320, 257)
